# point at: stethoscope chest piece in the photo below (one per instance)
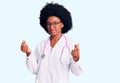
(43, 55)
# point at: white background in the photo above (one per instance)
(96, 26)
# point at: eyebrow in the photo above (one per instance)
(53, 21)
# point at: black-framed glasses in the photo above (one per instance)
(54, 24)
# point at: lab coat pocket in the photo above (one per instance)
(65, 56)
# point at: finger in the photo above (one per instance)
(77, 49)
(76, 46)
(26, 50)
(24, 47)
(77, 52)
(74, 53)
(23, 44)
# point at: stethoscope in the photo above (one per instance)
(63, 48)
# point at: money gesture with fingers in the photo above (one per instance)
(76, 52)
(25, 48)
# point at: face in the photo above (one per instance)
(54, 25)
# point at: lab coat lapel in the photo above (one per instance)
(58, 45)
(56, 49)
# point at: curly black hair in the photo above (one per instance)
(55, 9)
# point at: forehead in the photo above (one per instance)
(53, 19)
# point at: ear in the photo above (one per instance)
(62, 25)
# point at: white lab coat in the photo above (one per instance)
(53, 68)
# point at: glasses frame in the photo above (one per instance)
(54, 24)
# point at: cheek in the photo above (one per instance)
(48, 29)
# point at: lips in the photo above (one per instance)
(52, 31)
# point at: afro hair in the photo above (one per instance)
(55, 9)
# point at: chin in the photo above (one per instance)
(52, 33)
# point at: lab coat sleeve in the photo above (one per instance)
(32, 61)
(76, 67)
(31, 64)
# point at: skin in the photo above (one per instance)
(55, 31)
(55, 35)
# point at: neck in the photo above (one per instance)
(54, 39)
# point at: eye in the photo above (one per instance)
(55, 23)
(48, 24)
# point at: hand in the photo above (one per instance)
(76, 53)
(25, 48)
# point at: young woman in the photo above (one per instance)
(55, 56)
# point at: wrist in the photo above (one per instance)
(76, 58)
(28, 54)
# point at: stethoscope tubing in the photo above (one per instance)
(66, 46)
